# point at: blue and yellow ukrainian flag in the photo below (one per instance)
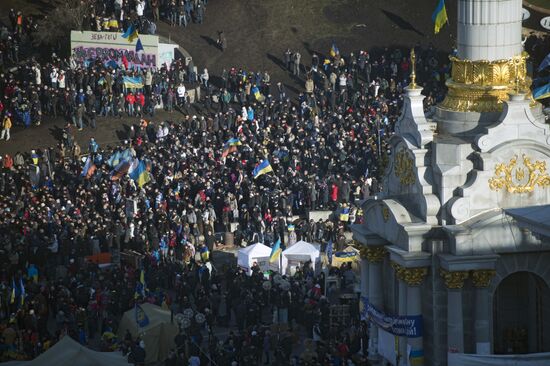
(12, 296)
(344, 215)
(142, 319)
(140, 175)
(233, 142)
(334, 50)
(133, 82)
(262, 168)
(256, 93)
(545, 63)
(114, 159)
(231, 146)
(34, 157)
(23, 293)
(89, 168)
(131, 33)
(275, 251)
(205, 253)
(439, 16)
(32, 272)
(542, 92)
(140, 286)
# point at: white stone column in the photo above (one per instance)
(364, 286)
(455, 317)
(402, 349)
(489, 29)
(375, 256)
(364, 276)
(414, 307)
(410, 280)
(481, 280)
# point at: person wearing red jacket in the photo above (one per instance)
(140, 103)
(130, 101)
(334, 192)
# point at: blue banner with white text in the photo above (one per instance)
(403, 326)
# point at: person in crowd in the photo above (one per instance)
(195, 179)
(6, 127)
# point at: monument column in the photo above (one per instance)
(411, 279)
(364, 272)
(455, 322)
(489, 63)
(488, 29)
(375, 256)
(482, 279)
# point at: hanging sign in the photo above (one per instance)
(404, 326)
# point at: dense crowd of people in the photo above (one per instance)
(326, 147)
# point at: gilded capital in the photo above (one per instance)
(482, 85)
(363, 251)
(375, 254)
(455, 279)
(483, 277)
(411, 276)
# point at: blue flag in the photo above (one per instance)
(133, 82)
(23, 293)
(275, 251)
(142, 319)
(88, 169)
(542, 92)
(334, 50)
(262, 168)
(139, 46)
(131, 33)
(545, 63)
(439, 16)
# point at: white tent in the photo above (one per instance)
(158, 335)
(68, 352)
(298, 254)
(258, 253)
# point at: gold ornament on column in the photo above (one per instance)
(413, 85)
(411, 276)
(363, 251)
(483, 277)
(375, 254)
(454, 279)
(483, 86)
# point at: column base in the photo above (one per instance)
(483, 348)
(416, 358)
(374, 359)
